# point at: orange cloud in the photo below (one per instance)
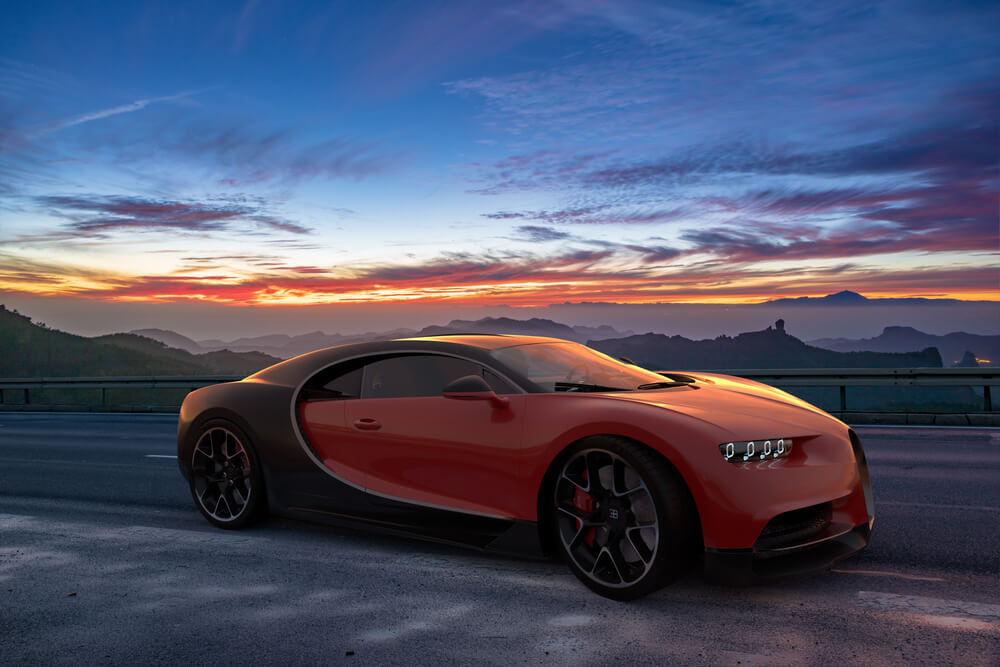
(592, 276)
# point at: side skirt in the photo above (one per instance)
(514, 536)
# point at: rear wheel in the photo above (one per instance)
(622, 518)
(226, 482)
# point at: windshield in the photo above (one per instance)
(573, 367)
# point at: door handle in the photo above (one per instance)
(367, 424)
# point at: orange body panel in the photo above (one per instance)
(475, 457)
(465, 455)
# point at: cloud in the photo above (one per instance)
(657, 253)
(941, 153)
(458, 268)
(245, 155)
(537, 234)
(592, 215)
(483, 279)
(564, 215)
(113, 111)
(244, 24)
(95, 215)
(671, 70)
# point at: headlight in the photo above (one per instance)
(756, 450)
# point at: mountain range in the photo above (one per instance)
(284, 346)
(34, 350)
(769, 348)
(849, 298)
(953, 346)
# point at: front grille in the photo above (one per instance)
(795, 527)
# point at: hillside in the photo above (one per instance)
(34, 350)
(533, 327)
(284, 346)
(952, 346)
(225, 362)
(770, 348)
(171, 339)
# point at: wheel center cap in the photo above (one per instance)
(617, 514)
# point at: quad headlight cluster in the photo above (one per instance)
(756, 450)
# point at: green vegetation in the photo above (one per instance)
(34, 350)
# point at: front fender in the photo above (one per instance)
(555, 422)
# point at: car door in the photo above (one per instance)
(413, 444)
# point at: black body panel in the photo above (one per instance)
(298, 486)
(747, 566)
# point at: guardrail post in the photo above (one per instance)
(104, 396)
(27, 399)
(987, 399)
(843, 398)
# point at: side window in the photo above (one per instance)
(497, 383)
(420, 375)
(347, 385)
(340, 382)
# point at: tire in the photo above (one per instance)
(226, 481)
(622, 517)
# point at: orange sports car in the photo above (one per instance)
(538, 446)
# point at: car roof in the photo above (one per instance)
(475, 346)
(486, 341)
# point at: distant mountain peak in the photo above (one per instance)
(845, 296)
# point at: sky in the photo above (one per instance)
(208, 160)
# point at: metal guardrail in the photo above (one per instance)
(878, 377)
(786, 377)
(189, 382)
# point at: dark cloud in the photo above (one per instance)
(654, 253)
(463, 268)
(538, 234)
(942, 153)
(950, 216)
(94, 215)
(604, 214)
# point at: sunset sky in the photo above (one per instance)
(496, 153)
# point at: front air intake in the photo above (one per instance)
(797, 527)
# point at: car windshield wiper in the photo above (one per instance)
(581, 386)
(676, 380)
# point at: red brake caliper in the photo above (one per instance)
(585, 503)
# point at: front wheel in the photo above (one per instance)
(622, 517)
(226, 482)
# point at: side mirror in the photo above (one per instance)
(473, 388)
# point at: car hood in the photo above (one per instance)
(743, 408)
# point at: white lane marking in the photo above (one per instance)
(933, 606)
(974, 508)
(898, 575)
(161, 456)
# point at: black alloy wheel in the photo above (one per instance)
(225, 477)
(623, 518)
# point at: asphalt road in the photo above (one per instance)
(104, 560)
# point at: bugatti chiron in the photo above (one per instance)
(537, 446)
